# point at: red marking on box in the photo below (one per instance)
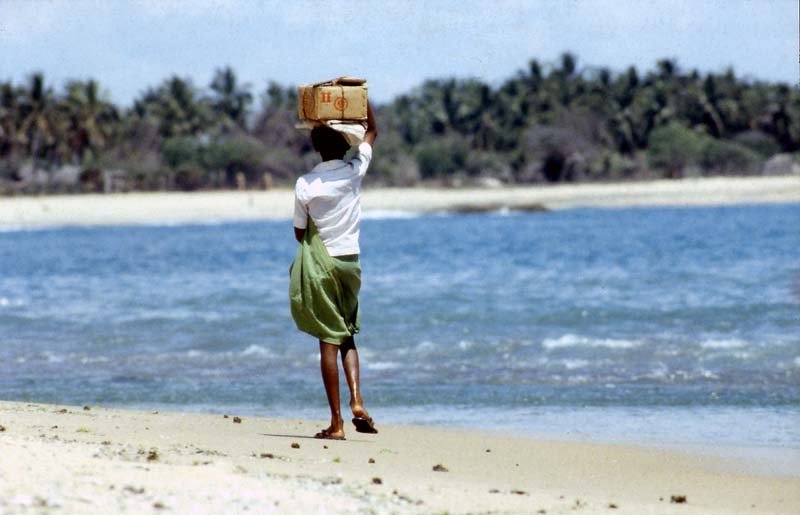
(340, 103)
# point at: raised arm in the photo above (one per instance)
(372, 127)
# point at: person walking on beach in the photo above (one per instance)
(326, 274)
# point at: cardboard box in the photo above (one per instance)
(344, 99)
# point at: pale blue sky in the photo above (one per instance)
(130, 45)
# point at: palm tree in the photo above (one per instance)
(38, 124)
(174, 108)
(9, 118)
(229, 100)
(92, 119)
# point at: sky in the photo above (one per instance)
(132, 45)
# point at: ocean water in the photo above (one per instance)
(664, 325)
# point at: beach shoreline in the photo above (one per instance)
(229, 206)
(92, 459)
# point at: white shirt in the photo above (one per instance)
(331, 194)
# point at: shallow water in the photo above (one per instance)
(678, 325)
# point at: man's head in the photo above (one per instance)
(329, 143)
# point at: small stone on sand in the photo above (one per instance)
(87, 408)
(371, 460)
(440, 468)
(2, 428)
(377, 481)
(295, 445)
(612, 506)
(237, 420)
(519, 492)
(152, 455)
(677, 499)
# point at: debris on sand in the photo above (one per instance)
(268, 455)
(237, 420)
(377, 481)
(371, 460)
(494, 491)
(159, 505)
(87, 408)
(225, 416)
(62, 410)
(295, 445)
(152, 455)
(2, 428)
(440, 468)
(677, 499)
(518, 492)
(612, 506)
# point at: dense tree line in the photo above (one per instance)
(555, 122)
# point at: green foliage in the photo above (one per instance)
(674, 147)
(181, 149)
(719, 156)
(758, 142)
(443, 156)
(559, 121)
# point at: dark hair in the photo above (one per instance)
(329, 142)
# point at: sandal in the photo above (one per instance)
(365, 425)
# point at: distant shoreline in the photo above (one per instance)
(228, 206)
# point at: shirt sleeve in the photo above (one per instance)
(361, 160)
(300, 210)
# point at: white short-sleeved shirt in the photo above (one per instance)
(331, 194)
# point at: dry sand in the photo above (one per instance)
(68, 459)
(137, 208)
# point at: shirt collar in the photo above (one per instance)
(329, 165)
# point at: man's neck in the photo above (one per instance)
(332, 158)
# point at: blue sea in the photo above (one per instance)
(670, 325)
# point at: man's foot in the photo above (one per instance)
(362, 420)
(327, 434)
(335, 431)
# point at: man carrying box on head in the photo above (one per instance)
(326, 274)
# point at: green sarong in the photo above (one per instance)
(323, 290)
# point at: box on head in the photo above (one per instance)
(340, 103)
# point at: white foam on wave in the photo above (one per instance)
(574, 364)
(797, 361)
(382, 365)
(389, 214)
(258, 350)
(574, 340)
(6, 302)
(723, 344)
(465, 344)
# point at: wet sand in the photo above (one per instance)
(97, 460)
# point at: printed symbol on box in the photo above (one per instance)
(326, 97)
(340, 103)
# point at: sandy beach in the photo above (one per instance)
(149, 208)
(75, 459)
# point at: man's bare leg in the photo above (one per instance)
(350, 364)
(330, 377)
